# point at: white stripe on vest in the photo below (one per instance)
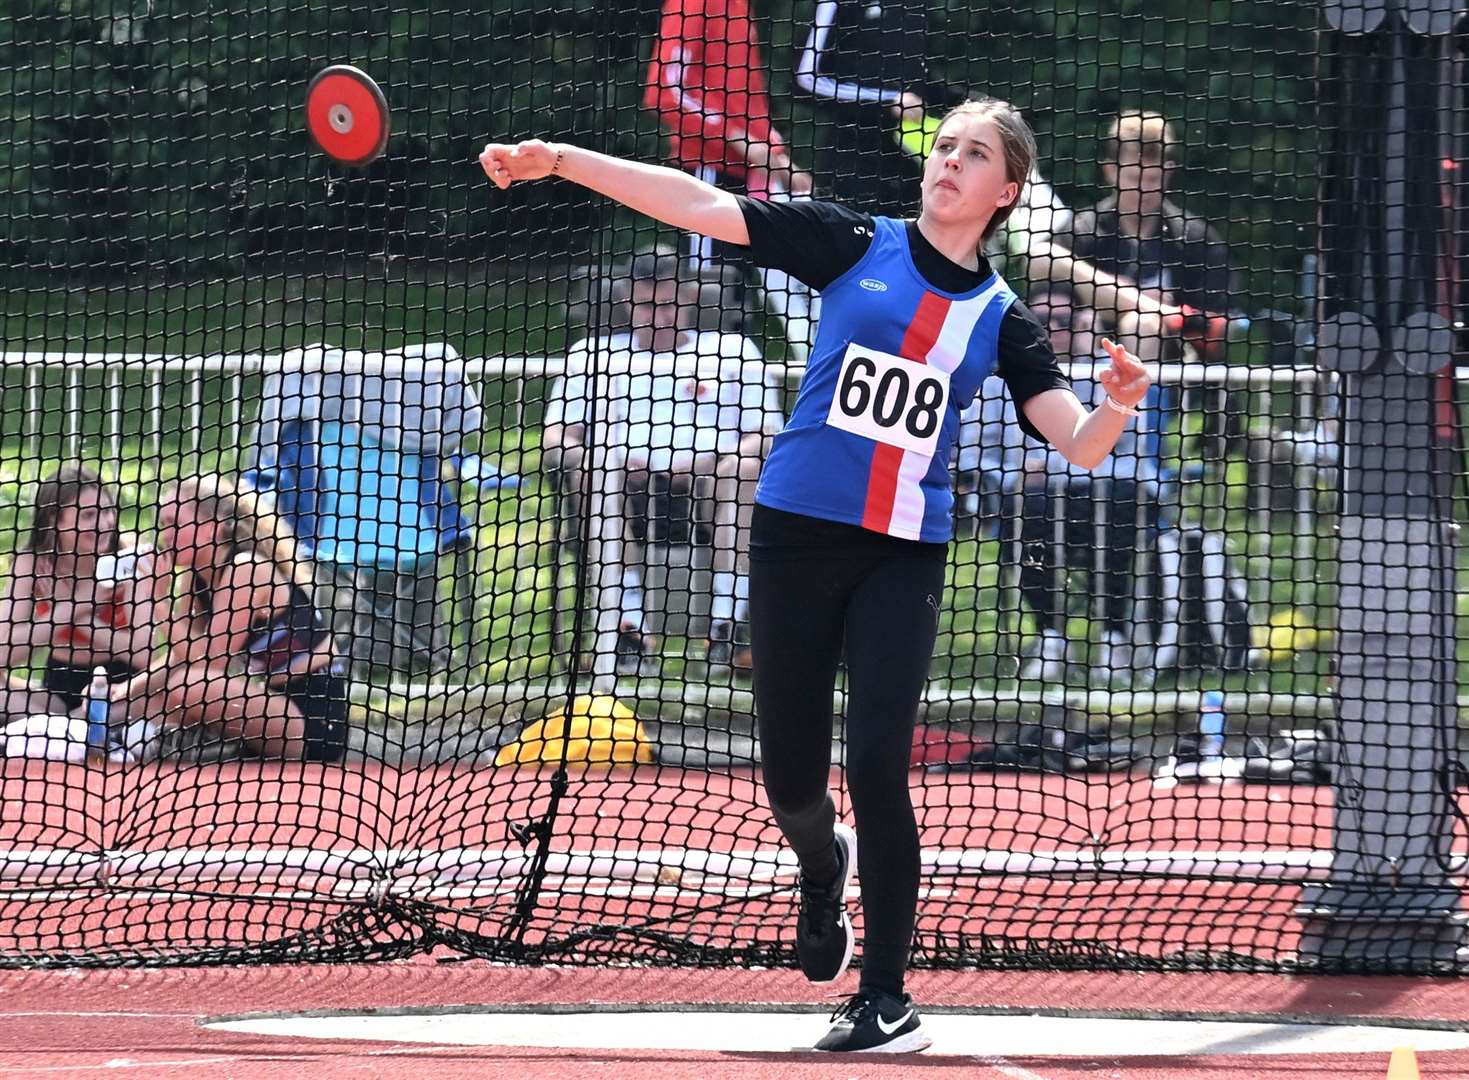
(946, 355)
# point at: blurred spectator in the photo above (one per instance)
(1137, 234)
(674, 407)
(706, 82)
(1102, 508)
(248, 654)
(864, 63)
(79, 592)
(646, 311)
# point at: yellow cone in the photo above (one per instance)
(1404, 1064)
(602, 731)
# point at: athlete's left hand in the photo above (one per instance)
(1127, 380)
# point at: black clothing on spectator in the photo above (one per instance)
(1182, 255)
(859, 56)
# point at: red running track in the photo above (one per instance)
(147, 1023)
(263, 806)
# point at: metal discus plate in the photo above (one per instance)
(347, 115)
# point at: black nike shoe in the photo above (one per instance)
(824, 937)
(872, 1022)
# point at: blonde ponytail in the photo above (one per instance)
(249, 524)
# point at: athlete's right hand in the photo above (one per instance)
(529, 160)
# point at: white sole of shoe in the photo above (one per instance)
(845, 834)
(911, 1043)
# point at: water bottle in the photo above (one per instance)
(99, 705)
(1211, 725)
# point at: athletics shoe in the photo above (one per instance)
(872, 1022)
(824, 937)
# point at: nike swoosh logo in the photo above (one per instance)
(887, 1029)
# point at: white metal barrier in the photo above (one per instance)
(1308, 386)
(513, 370)
(514, 374)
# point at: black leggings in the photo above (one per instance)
(818, 588)
(1118, 539)
(322, 699)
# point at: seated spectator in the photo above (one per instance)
(646, 310)
(77, 591)
(865, 65)
(677, 405)
(1137, 234)
(248, 654)
(1046, 486)
(706, 81)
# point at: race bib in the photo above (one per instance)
(891, 400)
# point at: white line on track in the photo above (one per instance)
(1009, 1070)
(8, 1014)
(387, 870)
(119, 1064)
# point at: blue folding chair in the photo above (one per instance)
(355, 462)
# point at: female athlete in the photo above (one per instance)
(853, 508)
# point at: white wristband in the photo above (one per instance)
(1117, 406)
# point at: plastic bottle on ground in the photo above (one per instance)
(1211, 725)
(99, 706)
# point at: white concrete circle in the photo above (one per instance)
(982, 1035)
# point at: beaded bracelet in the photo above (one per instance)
(556, 165)
(1117, 406)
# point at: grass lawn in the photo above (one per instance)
(144, 430)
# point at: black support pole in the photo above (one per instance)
(1387, 97)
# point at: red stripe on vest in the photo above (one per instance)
(882, 476)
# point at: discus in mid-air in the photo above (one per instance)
(347, 115)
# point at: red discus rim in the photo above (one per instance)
(347, 115)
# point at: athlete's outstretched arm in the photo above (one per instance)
(1086, 438)
(668, 195)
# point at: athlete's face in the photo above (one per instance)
(964, 178)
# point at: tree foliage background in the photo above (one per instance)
(165, 137)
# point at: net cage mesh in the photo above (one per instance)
(408, 518)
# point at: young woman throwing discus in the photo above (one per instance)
(853, 508)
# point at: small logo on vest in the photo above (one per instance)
(873, 285)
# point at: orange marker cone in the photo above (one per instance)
(1404, 1065)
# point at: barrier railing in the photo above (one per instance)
(132, 407)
